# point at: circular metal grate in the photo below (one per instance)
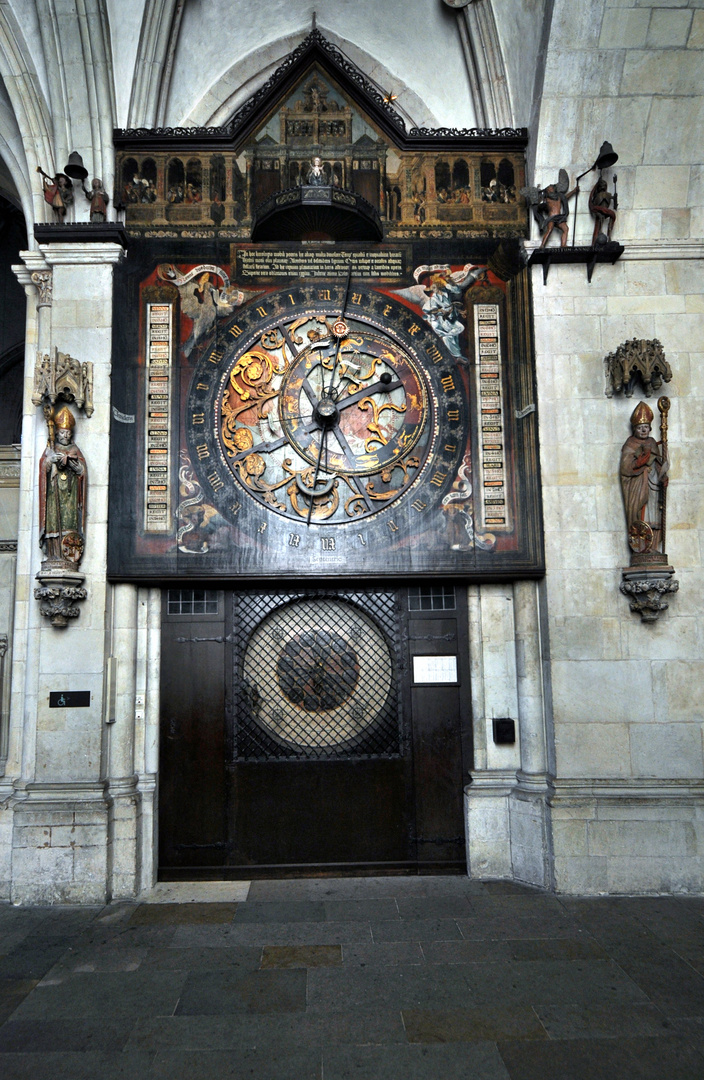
(318, 674)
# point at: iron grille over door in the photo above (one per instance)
(315, 676)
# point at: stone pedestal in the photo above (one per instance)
(59, 592)
(647, 587)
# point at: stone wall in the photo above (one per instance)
(627, 810)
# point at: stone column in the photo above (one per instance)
(120, 717)
(494, 695)
(531, 838)
(60, 822)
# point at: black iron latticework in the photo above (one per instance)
(316, 676)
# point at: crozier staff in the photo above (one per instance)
(62, 494)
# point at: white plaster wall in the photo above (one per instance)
(125, 27)
(416, 41)
(627, 711)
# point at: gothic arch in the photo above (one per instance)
(238, 83)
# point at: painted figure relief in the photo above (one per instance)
(201, 301)
(62, 495)
(439, 296)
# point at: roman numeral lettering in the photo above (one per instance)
(434, 353)
(439, 478)
(448, 383)
(419, 505)
(261, 312)
(202, 386)
(453, 414)
(235, 331)
(215, 482)
(393, 526)
(413, 330)
(324, 294)
(198, 418)
(356, 298)
(202, 451)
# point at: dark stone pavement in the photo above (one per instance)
(365, 978)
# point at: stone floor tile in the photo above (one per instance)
(512, 928)
(471, 1025)
(543, 982)
(671, 984)
(375, 910)
(294, 911)
(189, 892)
(434, 907)
(556, 949)
(643, 1058)
(363, 888)
(314, 1027)
(182, 914)
(126, 936)
(301, 956)
(417, 930)
(510, 888)
(80, 1034)
(260, 1063)
(453, 1062)
(12, 994)
(401, 987)
(113, 994)
(596, 1021)
(466, 952)
(94, 958)
(203, 959)
(214, 993)
(534, 904)
(30, 963)
(382, 954)
(260, 934)
(72, 1065)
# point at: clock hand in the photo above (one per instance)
(323, 442)
(375, 388)
(340, 324)
(267, 447)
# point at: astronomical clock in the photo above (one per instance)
(322, 354)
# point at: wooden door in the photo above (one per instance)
(296, 737)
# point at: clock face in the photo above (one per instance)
(313, 416)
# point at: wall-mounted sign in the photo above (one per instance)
(434, 669)
(69, 699)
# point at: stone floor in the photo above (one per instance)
(429, 977)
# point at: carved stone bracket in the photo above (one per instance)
(59, 592)
(647, 590)
(44, 282)
(62, 376)
(634, 360)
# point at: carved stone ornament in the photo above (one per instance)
(44, 282)
(647, 591)
(58, 593)
(62, 376)
(635, 360)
